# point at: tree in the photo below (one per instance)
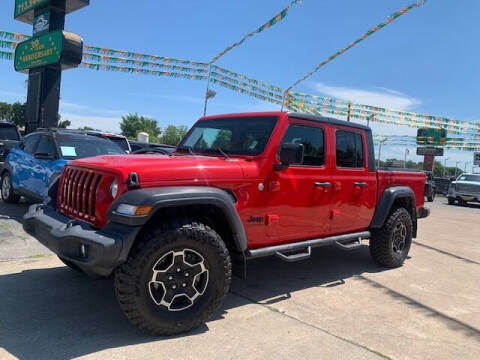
(62, 124)
(173, 134)
(85, 128)
(13, 112)
(132, 124)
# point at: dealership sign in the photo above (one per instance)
(25, 9)
(430, 151)
(431, 136)
(57, 47)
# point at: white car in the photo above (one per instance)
(465, 189)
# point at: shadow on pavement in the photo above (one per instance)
(13, 211)
(56, 313)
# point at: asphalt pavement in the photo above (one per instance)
(337, 304)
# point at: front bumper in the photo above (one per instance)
(459, 195)
(423, 212)
(103, 250)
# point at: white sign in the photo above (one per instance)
(476, 158)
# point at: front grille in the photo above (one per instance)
(78, 193)
(470, 188)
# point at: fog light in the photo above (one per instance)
(83, 250)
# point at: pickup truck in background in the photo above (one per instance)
(238, 187)
(9, 137)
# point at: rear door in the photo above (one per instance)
(298, 198)
(353, 185)
(43, 167)
(24, 172)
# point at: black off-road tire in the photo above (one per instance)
(431, 197)
(132, 279)
(451, 201)
(382, 245)
(9, 195)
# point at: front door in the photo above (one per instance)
(298, 198)
(354, 185)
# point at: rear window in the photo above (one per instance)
(78, 147)
(8, 133)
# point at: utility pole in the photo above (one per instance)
(406, 153)
(466, 163)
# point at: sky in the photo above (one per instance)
(426, 61)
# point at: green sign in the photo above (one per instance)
(24, 9)
(431, 136)
(24, 6)
(39, 51)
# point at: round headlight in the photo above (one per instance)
(114, 188)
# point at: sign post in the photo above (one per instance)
(45, 55)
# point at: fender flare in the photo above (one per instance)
(174, 196)
(386, 202)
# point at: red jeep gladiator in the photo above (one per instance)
(238, 187)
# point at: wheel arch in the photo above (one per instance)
(395, 196)
(212, 206)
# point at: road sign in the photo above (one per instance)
(431, 136)
(57, 47)
(24, 9)
(429, 151)
(476, 158)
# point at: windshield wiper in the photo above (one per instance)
(223, 153)
(188, 148)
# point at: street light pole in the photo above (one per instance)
(406, 153)
(445, 165)
(456, 164)
(380, 150)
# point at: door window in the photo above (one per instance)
(46, 146)
(349, 147)
(312, 140)
(30, 143)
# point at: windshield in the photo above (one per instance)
(8, 133)
(78, 147)
(465, 177)
(238, 136)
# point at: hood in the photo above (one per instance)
(155, 168)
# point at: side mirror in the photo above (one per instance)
(290, 154)
(43, 156)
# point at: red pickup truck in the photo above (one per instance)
(238, 187)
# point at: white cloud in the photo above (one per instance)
(382, 97)
(93, 111)
(96, 122)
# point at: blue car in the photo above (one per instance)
(32, 166)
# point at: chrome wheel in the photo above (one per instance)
(399, 237)
(179, 279)
(6, 187)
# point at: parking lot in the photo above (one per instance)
(335, 305)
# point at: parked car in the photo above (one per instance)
(430, 187)
(442, 185)
(151, 148)
(466, 188)
(239, 186)
(9, 137)
(39, 158)
(120, 140)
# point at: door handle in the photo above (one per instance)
(360, 183)
(322, 184)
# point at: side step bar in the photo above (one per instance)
(347, 241)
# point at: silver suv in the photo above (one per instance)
(465, 189)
